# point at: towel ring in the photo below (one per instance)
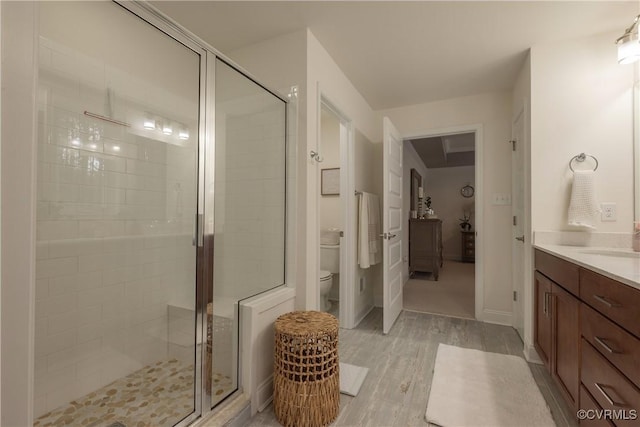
(581, 158)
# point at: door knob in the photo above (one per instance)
(386, 236)
(521, 238)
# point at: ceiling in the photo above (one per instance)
(446, 151)
(399, 53)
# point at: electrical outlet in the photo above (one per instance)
(609, 212)
(361, 284)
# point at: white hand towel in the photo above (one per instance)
(369, 252)
(583, 206)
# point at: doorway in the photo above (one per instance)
(336, 213)
(330, 207)
(443, 252)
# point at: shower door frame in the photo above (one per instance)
(205, 196)
(204, 257)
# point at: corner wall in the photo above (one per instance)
(493, 111)
(19, 66)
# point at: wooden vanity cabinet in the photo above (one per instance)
(587, 332)
(542, 325)
(557, 332)
(565, 339)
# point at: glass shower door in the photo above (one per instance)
(117, 184)
(249, 206)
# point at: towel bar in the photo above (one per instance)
(581, 158)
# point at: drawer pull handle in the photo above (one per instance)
(604, 345)
(605, 302)
(545, 308)
(606, 396)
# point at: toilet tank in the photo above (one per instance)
(329, 236)
(330, 250)
(330, 258)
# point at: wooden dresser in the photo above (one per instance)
(425, 246)
(468, 252)
(587, 332)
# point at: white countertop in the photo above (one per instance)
(620, 268)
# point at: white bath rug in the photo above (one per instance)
(476, 388)
(351, 378)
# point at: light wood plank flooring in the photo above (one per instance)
(400, 364)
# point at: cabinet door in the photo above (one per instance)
(565, 313)
(542, 325)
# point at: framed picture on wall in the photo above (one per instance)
(330, 182)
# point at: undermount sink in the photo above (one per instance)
(612, 253)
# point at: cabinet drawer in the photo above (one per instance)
(617, 345)
(615, 300)
(560, 271)
(593, 409)
(610, 389)
(469, 252)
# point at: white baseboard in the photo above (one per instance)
(265, 393)
(363, 314)
(531, 355)
(497, 317)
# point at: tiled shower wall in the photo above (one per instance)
(250, 178)
(115, 210)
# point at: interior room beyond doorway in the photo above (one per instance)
(440, 211)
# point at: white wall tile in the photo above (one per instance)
(100, 228)
(56, 267)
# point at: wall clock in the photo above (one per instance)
(467, 191)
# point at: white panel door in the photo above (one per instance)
(392, 225)
(517, 209)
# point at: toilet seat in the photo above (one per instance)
(325, 275)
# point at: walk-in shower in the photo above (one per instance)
(160, 206)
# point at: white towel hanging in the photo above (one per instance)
(369, 250)
(583, 206)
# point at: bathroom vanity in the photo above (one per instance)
(587, 328)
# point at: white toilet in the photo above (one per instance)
(329, 264)
(326, 280)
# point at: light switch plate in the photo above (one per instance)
(609, 212)
(503, 199)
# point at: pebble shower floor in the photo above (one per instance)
(160, 394)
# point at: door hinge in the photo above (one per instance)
(515, 220)
(515, 295)
(513, 144)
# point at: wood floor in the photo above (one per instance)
(400, 364)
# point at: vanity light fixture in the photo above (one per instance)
(167, 129)
(183, 133)
(629, 44)
(149, 122)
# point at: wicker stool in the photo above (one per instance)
(306, 385)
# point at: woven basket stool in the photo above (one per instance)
(306, 384)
